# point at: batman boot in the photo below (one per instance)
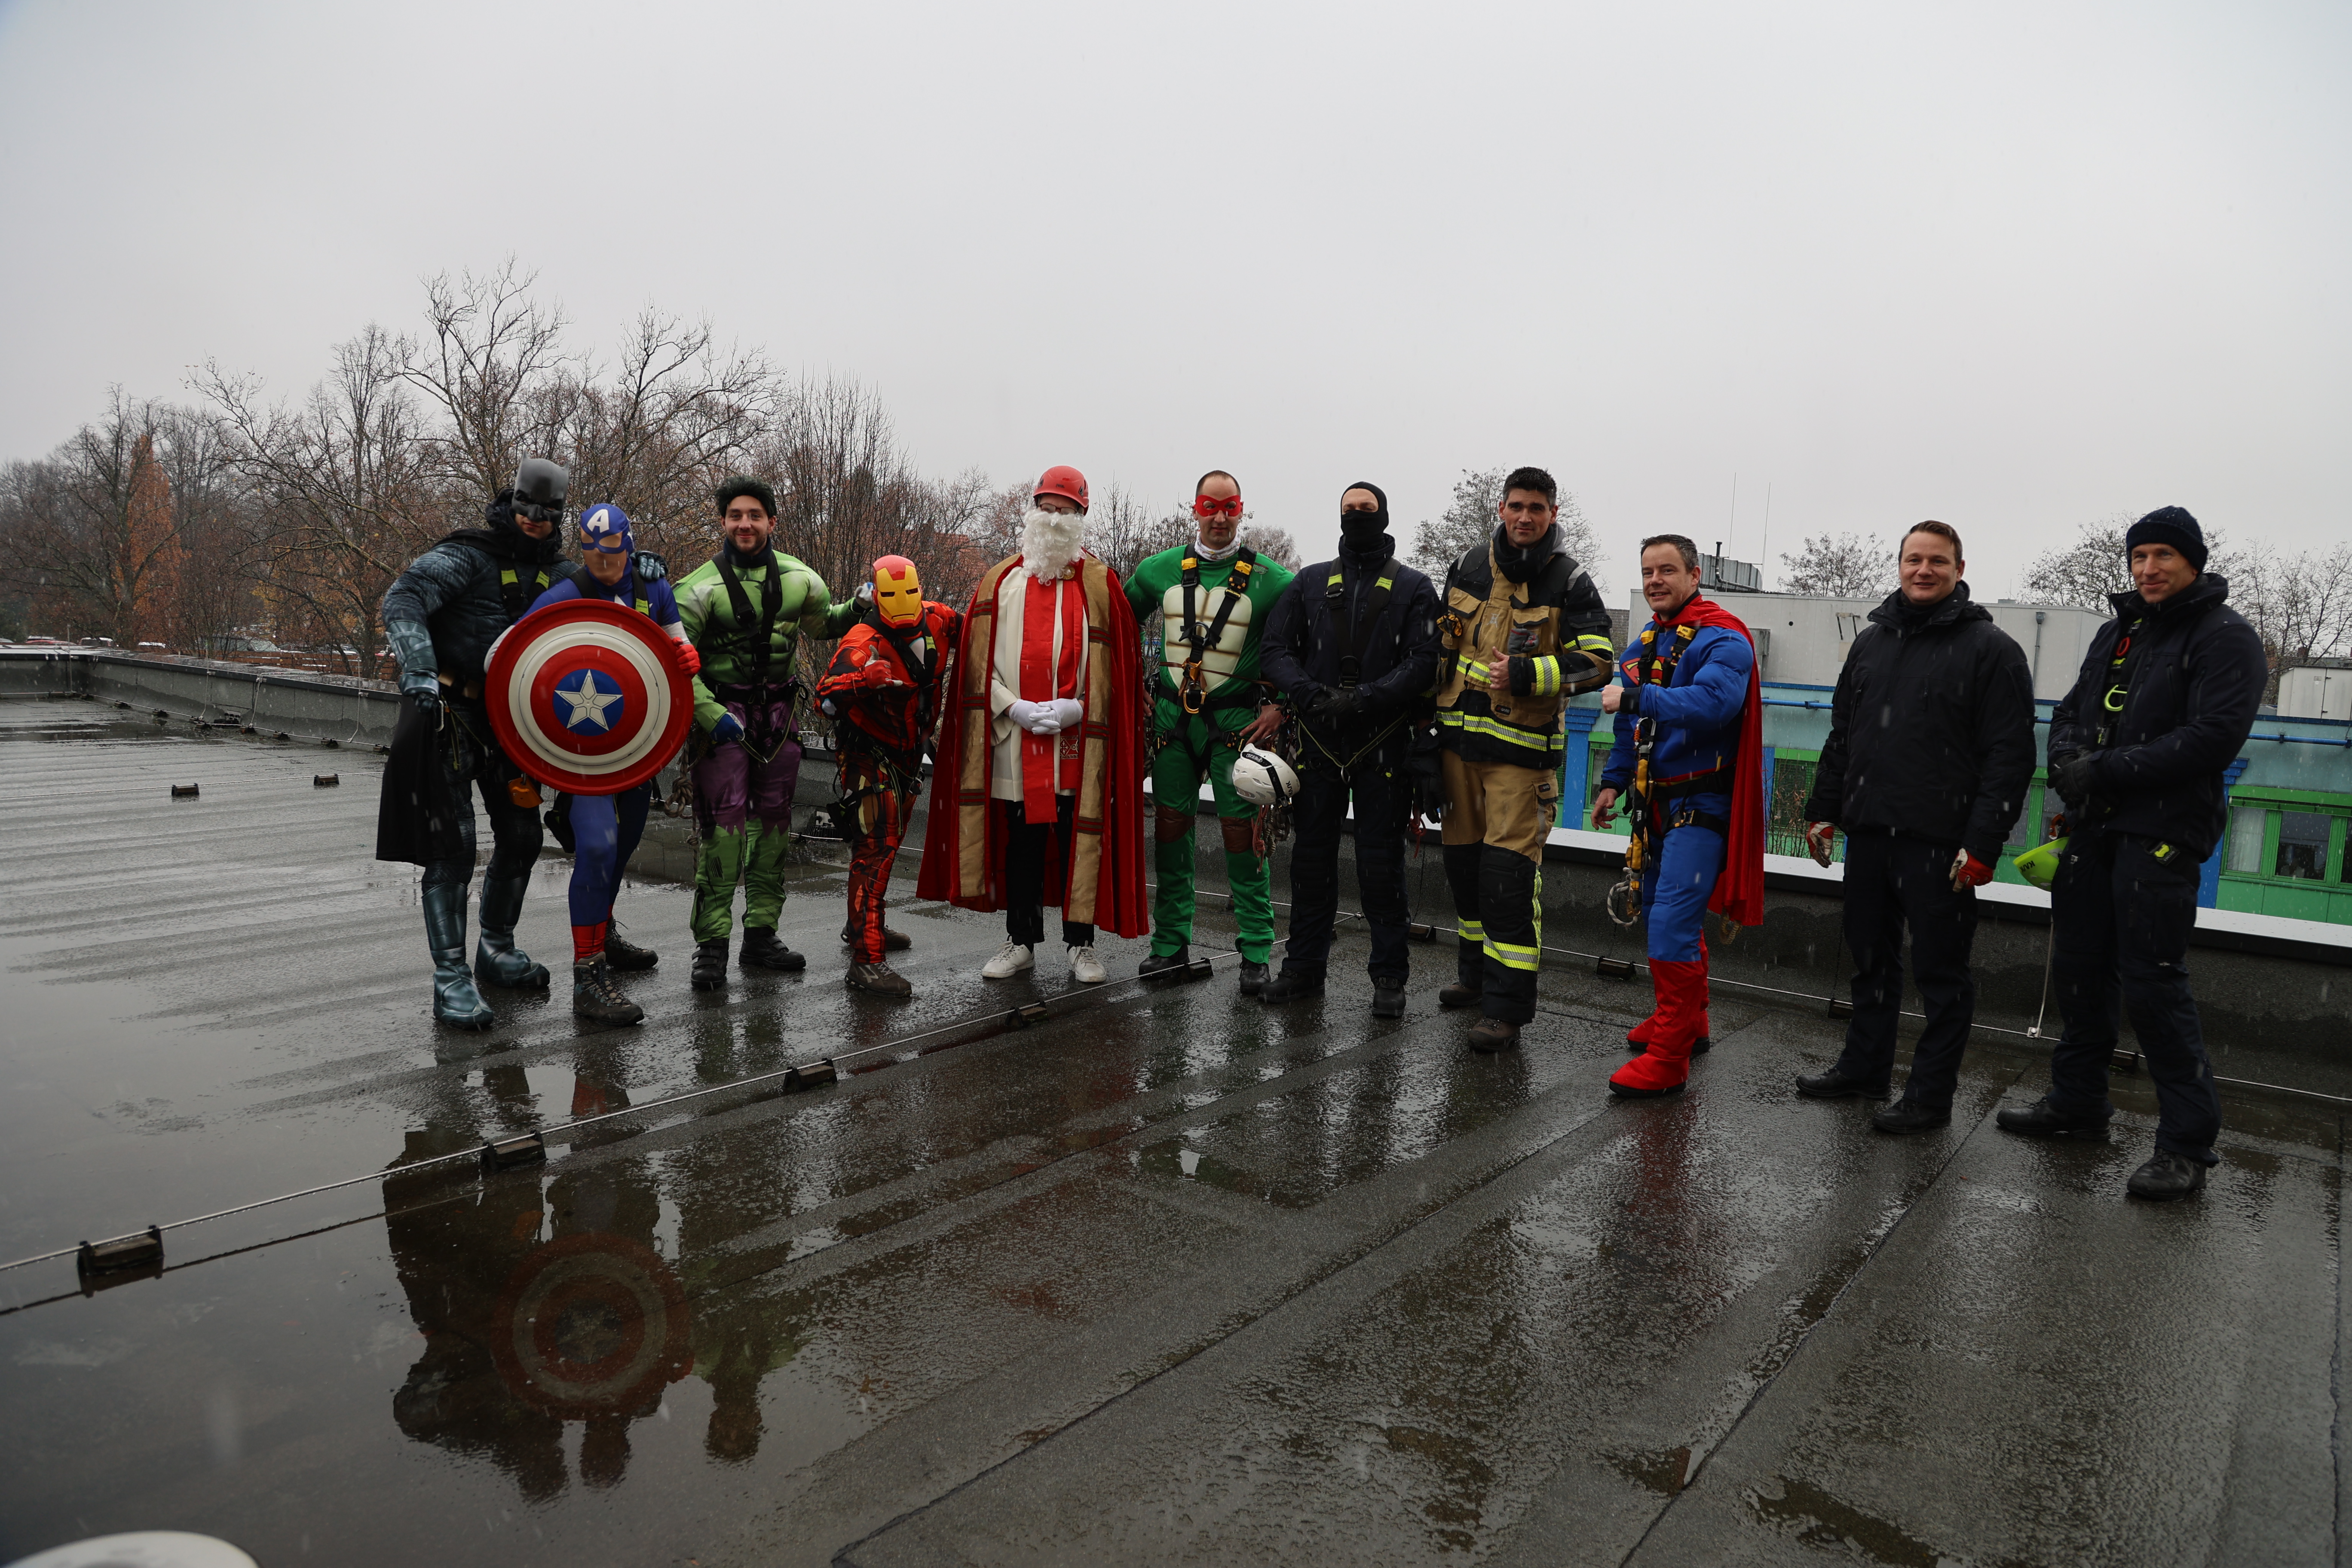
(455, 1000)
(497, 960)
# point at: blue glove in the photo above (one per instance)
(729, 728)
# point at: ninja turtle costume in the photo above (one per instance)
(1209, 613)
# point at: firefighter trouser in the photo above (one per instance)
(743, 797)
(1497, 817)
(884, 802)
(1176, 792)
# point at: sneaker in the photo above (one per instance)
(1084, 967)
(1010, 960)
(2166, 1177)
(880, 978)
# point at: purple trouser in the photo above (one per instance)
(733, 781)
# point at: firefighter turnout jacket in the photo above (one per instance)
(1538, 609)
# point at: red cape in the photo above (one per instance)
(1739, 891)
(964, 838)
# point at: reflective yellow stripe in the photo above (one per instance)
(1511, 955)
(1543, 676)
(1470, 930)
(1480, 724)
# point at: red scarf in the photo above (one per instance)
(1739, 891)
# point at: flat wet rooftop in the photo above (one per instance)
(1165, 1276)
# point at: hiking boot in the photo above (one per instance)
(1388, 998)
(880, 979)
(594, 995)
(1909, 1116)
(1290, 985)
(2043, 1119)
(1168, 964)
(892, 940)
(626, 956)
(1084, 967)
(710, 971)
(1835, 1084)
(1252, 977)
(1460, 995)
(1010, 960)
(1493, 1035)
(2167, 1176)
(762, 951)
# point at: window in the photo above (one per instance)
(2246, 839)
(2303, 846)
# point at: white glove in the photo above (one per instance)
(1821, 838)
(1068, 712)
(1037, 718)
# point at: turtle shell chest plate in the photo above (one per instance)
(1223, 657)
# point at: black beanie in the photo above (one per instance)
(2169, 525)
(1362, 530)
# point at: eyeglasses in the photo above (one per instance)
(1204, 508)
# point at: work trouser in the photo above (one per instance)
(1194, 747)
(1498, 816)
(1890, 883)
(468, 756)
(1382, 789)
(2122, 913)
(883, 803)
(605, 831)
(743, 798)
(1026, 846)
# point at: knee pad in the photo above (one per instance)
(1173, 824)
(1241, 832)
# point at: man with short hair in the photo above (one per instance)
(1527, 629)
(2163, 705)
(1353, 644)
(744, 610)
(1690, 749)
(1211, 598)
(441, 615)
(1037, 795)
(1930, 753)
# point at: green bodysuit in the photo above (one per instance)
(1226, 691)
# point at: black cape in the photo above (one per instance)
(416, 817)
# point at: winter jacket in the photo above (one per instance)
(1538, 609)
(2194, 676)
(1698, 712)
(471, 587)
(1931, 730)
(1396, 661)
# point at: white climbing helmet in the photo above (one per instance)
(1262, 778)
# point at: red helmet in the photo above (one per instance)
(1062, 480)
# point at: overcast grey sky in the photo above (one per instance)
(2015, 266)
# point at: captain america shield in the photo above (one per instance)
(586, 696)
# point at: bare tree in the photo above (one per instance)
(344, 487)
(96, 540)
(2086, 571)
(1275, 543)
(1844, 566)
(494, 366)
(1471, 516)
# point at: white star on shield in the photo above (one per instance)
(588, 704)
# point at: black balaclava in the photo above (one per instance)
(1367, 532)
(509, 541)
(1519, 564)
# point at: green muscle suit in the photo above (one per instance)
(1227, 693)
(744, 616)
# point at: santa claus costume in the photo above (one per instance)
(1038, 795)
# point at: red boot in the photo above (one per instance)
(1664, 1067)
(1705, 1041)
(1640, 1036)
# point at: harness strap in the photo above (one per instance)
(1353, 633)
(757, 648)
(1193, 693)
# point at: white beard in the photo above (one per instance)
(1050, 541)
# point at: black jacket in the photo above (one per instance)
(1397, 661)
(2195, 682)
(473, 585)
(1931, 730)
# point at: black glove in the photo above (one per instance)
(2070, 775)
(1334, 704)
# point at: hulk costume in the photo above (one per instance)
(743, 615)
(1225, 692)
